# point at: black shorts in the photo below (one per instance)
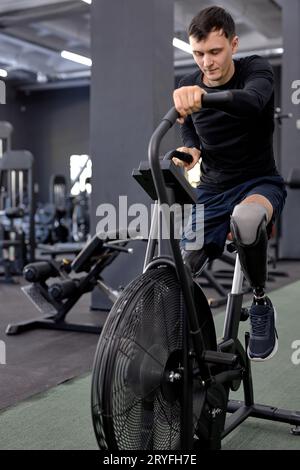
(218, 208)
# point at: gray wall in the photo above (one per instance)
(131, 90)
(290, 147)
(51, 124)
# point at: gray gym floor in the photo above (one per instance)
(58, 417)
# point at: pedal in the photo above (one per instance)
(231, 248)
(216, 357)
(34, 295)
(215, 303)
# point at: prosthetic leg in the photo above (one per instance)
(249, 231)
(248, 226)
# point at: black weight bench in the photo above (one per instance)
(55, 299)
(60, 249)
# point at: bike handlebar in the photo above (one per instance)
(167, 122)
(208, 100)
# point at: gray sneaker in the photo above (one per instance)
(263, 343)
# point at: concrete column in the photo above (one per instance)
(290, 146)
(131, 90)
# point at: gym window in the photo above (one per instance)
(80, 173)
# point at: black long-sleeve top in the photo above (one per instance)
(236, 140)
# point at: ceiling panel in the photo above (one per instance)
(33, 32)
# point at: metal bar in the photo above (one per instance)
(238, 277)
(13, 188)
(247, 379)
(21, 187)
(272, 413)
(51, 325)
(152, 242)
(232, 310)
(267, 412)
(233, 316)
(239, 415)
(31, 203)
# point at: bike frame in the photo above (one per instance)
(229, 345)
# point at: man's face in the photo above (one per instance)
(213, 56)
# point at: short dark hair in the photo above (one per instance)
(212, 19)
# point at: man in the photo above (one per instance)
(240, 187)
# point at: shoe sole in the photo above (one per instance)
(275, 349)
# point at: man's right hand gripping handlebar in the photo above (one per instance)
(187, 100)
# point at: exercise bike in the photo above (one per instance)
(161, 380)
